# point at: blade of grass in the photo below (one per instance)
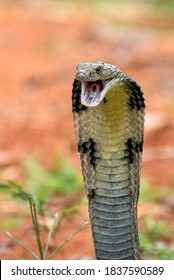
(21, 244)
(35, 224)
(50, 234)
(66, 240)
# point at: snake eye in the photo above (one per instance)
(98, 70)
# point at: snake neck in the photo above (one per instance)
(110, 152)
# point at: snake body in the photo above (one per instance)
(108, 109)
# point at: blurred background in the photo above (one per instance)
(41, 41)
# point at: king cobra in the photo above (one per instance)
(108, 110)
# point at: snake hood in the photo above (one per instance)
(96, 78)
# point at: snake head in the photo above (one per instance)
(95, 78)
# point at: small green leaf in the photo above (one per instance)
(15, 185)
(4, 187)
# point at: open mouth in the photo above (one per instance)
(93, 92)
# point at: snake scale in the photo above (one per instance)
(108, 110)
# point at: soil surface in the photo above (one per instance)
(40, 44)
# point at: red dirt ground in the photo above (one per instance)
(39, 49)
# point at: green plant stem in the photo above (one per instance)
(36, 227)
(20, 243)
(50, 234)
(66, 240)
